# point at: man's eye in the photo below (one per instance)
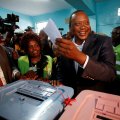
(77, 24)
(37, 45)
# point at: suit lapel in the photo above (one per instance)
(89, 43)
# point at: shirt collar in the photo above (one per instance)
(77, 44)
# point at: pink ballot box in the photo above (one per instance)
(93, 105)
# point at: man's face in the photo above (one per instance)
(43, 35)
(116, 37)
(80, 26)
(115, 33)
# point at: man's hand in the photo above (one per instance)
(55, 82)
(68, 49)
(30, 75)
(52, 82)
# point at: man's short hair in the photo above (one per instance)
(77, 11)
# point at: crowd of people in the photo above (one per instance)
(82, 59)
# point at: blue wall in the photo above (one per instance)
(90, 4)
(59, 17)
(24, 20)
(93, 22)
(107, 18)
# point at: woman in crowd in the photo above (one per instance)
(34, 65)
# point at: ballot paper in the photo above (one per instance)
(52, 31)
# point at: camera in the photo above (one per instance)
(9, 23)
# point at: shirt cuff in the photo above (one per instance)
(14, 72)
(86, 61)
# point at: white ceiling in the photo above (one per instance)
(34, 7)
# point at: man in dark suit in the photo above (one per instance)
(8, 70)
(88, 61)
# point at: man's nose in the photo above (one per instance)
(82, 26)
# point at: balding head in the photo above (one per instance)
(79, 25)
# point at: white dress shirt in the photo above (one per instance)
(80, 47)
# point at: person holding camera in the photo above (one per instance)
(115, 85)
(116, 47)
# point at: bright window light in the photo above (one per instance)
(40, 26)
(118, 11)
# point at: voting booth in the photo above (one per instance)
(32, 100)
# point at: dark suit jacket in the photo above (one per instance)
(5, 65)
(99, 70)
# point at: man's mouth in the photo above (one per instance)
(82, 33)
